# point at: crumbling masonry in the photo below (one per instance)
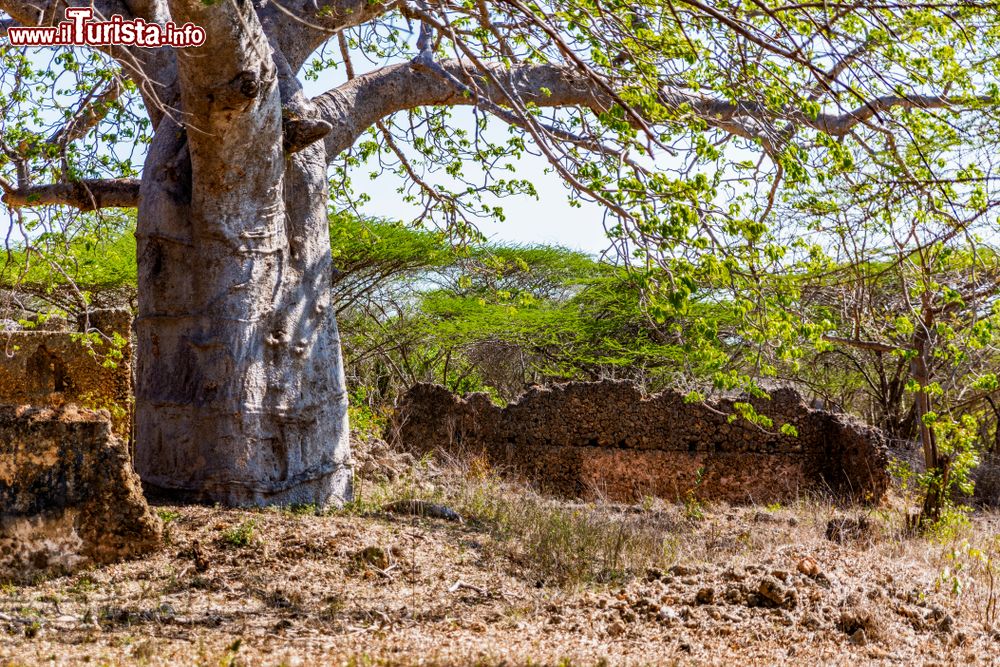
(56, 368)
(605, 439)
(68, 494)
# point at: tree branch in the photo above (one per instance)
(358, 104)
(299, 27)
(91, 111)
(153, 70)
(87, 195)
(870, 345)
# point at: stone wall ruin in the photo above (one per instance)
(605, 439)
(54, 368)
(68, 494)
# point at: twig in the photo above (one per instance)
(461, 584)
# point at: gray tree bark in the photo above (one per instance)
(240, 393)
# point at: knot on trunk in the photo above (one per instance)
(238, 93)
(248, 84)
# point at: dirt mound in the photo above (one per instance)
(754, 599)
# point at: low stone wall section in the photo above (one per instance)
(605, 439)
(68, 495)
(56, 368)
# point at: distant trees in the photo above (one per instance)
(880, 289)
(491, 317)
(892, 313)
(416, 307)
(67, 274)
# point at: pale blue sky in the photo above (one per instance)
(549, 219)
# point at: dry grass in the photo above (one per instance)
(523, 579)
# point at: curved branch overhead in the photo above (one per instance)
(356, 105)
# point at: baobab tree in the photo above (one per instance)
(672, 114)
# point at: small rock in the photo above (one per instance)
(373, 555)
(808, 566)
(666, 613)
(845, 529)
(775, 592)
(852, 621)
(943, 621)
(811, 621)
(734, 595)
(201, 561)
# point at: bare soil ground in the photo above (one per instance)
(521, 580)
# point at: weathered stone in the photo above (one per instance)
(775, 593)
(605, 439)
(55, 368)
(68, 495)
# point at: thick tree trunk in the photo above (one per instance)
(240, 395)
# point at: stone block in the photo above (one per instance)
(68, 494)
(56, 368)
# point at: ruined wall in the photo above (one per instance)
(68, 494)
(53, 368)
(606, 439)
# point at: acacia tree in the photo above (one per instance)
(672, 114)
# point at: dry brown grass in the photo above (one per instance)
(524, 579)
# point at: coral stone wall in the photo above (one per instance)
(55, 368)
(68, 494)
(605, 439)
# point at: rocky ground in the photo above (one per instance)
(520, 579)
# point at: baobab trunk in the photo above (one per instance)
(240, 395)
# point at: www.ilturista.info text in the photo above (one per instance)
(80, 30)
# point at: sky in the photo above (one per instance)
(549, 219)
